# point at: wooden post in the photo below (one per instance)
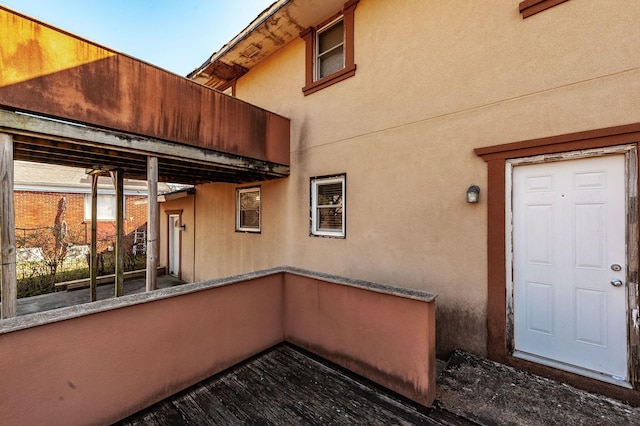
(9, 303)
(118, 181)
(153, 223)
(93, 273)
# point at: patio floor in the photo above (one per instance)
(46, 302)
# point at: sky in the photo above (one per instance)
(177, 35)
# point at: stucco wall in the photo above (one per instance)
(101, 362)
(96, 369)
(395, 335)
(220, 250)
(434, 80)
(186, 207)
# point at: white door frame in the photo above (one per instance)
(174, 238)
(631, 172)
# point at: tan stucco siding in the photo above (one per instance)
(184, 207)
(220, 250)
(434, 81)
(459, 57)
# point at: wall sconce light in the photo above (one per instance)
(473, 194)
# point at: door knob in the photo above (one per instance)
(616, 282)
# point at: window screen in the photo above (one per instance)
(328, 213)
(330, 48)
(248, 209)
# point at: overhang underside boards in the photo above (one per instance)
(262, 38)
(42, 140)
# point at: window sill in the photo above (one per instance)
(329, 80)
(531, 7)
(328, 235)
(248, 231)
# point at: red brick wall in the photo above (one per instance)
(41, 209)
(136, 208)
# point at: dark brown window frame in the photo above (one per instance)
(309, 37)
(531, 7)
(498, 346)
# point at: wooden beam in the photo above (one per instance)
(8, 306)
(75, 153)
(103, 139)
(93, 274)
(153, 223)
(40, 140)
(118, 181)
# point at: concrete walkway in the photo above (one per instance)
(46, 302)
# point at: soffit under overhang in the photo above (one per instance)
(275, 27)
(42, 140)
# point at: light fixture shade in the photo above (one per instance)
(473, 194)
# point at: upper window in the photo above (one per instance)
(248, 209)
(328, 206)
(329, 50)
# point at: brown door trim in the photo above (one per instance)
(498, 346)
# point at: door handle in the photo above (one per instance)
(616, 282)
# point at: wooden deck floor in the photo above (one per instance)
(286, 387)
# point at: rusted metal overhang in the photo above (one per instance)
(276, 26)
(48, 72)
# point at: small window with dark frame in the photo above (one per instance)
(328, 206)
(248, 209)
(329, 48)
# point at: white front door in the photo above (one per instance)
(174, 245)
(569, 265)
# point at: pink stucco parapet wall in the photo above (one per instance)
(100, 362)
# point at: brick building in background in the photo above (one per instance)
(47, 196)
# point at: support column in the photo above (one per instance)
(8, 306)
(118, 181)
(153, 223)
(93, 273)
